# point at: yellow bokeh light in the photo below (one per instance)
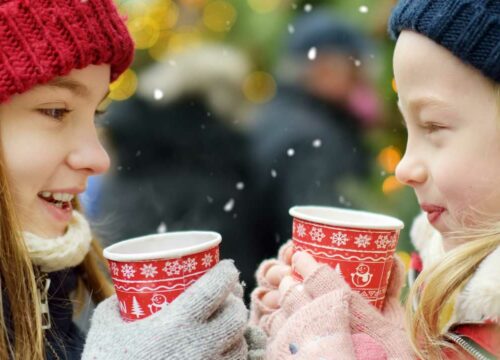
(391, 184)
(264, 6)
(198, 4)
(145, 32)
(158, 50)
(165, 13)
(219, 16)
(405, 258)
(389, 158)
(124, 87)
(259, 87)
(183, 39)
(394, 87)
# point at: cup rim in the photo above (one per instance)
(109, 253)
(380, 221)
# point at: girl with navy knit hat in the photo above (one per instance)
(447, 73)
(57, 59)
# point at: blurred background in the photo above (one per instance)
(235, 110)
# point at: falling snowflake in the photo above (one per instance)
(316, 143)
(290, 152)
(382, 241)
(229, 205)
(301, 230)
(189, 265)
(362, 241)
(158, 94)
(240, 185)
(172, 268)
(114, 269)
(207, 260)
(274, 173)
(128, 271)
(363, 9)
(291, 29)
(311, 54)
(148, 270)
(308, 7)
(339, 238)
(316, 234)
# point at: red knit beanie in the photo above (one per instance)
(44, 39)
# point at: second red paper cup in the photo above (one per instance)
(149, 272)
(359, 245)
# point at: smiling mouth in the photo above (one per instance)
(59, 200)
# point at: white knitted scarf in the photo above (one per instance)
(64, 251)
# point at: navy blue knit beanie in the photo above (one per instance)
(470, 29)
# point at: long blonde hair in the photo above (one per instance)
(436, 285)
(23, 338)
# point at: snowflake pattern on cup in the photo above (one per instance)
(207, 260)
(363, 240)
(301, 230)
(339, 238)
(172, 268)
(317, 234)
(382, 241)
(128, 271)
(114, 269)
(189, 265)
(148, 270)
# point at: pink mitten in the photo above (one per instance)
(327, 312)
(258, 307)
(312, 324)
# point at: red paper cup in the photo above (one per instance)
(359, 245)
(149, 272)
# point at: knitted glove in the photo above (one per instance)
(207, 321)
(258, 308)
(256, 339)
(317, 318)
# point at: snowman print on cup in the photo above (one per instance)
(362, 276)
(158, 302)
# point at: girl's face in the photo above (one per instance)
(50, 147)
(452, 157)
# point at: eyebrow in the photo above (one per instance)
(76, 87)
(425, 101)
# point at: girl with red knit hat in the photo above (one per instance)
(57, 59)
(447, 72)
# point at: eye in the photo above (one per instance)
(57, 114)
(433, 127)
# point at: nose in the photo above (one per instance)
(411, 170)
(88, 154)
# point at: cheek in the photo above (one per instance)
(29, 164)
(469, 183)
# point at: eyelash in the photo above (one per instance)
(63, 112)
(432, 128)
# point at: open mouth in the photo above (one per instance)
(59, 200)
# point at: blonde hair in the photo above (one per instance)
(24, 339)
(436, 285)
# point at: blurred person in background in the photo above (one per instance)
(309, 137)
(180, 160)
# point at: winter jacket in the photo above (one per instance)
(63, 340)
